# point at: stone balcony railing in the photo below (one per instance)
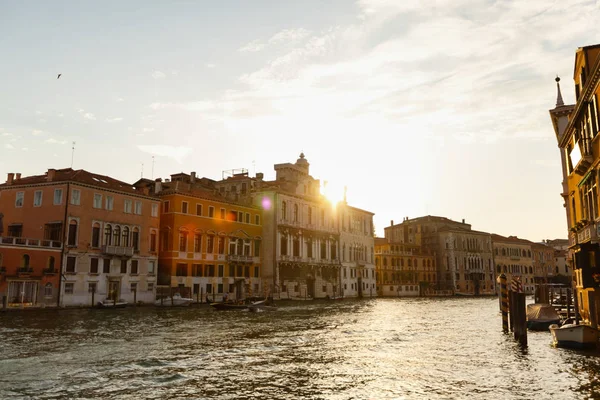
(117, 250)
(28, 242)
(239, 258)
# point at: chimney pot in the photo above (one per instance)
(157, 186)
(463, 221)
(18, 175)
(392, 222)
(50, 175)
(10, 178)
(193, 177)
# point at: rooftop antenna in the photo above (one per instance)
(152, 167)
(142, 175)
(254, 167)
(72, 154)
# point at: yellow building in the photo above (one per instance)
(576, 127)
(514, 258)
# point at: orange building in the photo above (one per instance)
(209, 245)
(98, 233)
(403, 269)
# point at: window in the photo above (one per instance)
(166, 205)
(51, 262)
(247, 247)
(57, 197)
(310, 215)
(127, 206)
(181, 269)
(283, 246)
(151, 267)
(210, 242)
(93, 266)
(96, 235)
(106, 265)
(309, 249)
(222, 213)
(109, 203)
(209, 288)
(76, 197)
(117, 236)
(197, 243)
(210, 270)
(295, 212)
(183, 241)
(19, 199)
(240, 216)
(257, 248)
(221, 270)
(221, 245)
(123, 266)
(153, 241)
(125, 237)
(138, 208)
(72, 241)
(257, 219)
(53, 231)
(134, 267)
(150, 286)
(71, 261)
(247, 218)
(199, 209)
(211, 212)
(135, 239)
(283, 210)
(184, 207)
(323, 250)
(97, 200)
(69, 288)
(92, 288)
(296, 247)
(48, 290)
(197, 270)
(256, 272)
(133, 287)
(154, 211)
(37, 198)
(220, 288)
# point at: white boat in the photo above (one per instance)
(107, 303)
(262, 305)
(175, 301)
(571, 335)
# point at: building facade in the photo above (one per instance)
(544, 266)
(102, 226)
(576, 128)
(514, 258)
(210, 246)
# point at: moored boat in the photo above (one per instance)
(112, 303)
(541, 316)
(175, 301)
(262, 305)
(228, 306)
(574, 336)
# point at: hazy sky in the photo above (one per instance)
(419, 107)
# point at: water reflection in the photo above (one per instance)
(386, 348)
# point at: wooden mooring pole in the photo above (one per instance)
(504, 302)
(520, 318)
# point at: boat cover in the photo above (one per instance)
(541, 313)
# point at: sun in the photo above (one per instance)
(333, 192)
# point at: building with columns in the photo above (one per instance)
(514, 258)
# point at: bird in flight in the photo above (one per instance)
(58, 77)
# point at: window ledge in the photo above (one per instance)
(132, 274)
(71, 273)
(94, 273)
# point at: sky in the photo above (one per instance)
(418, 107)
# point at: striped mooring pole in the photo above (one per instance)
(504, 302)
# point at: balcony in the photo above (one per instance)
(117, 251)
(586, 231)
(50, 271)
(24, 271)
(27, 242)
(239, 258)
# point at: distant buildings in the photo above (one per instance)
(576, 128)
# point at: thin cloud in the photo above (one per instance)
(86, 115)
(55, 141)
(177, 153)
(158, 75)
(284, 36)
(118, 119)
(9, 146)
(210, 65)
(37, 132)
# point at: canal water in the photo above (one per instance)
(371, 349)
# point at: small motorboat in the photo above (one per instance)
(175, 301)
(108, 303)
(229, 306)
(263, 305)
(541, 316)
(574, 336)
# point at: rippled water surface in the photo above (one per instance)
(371, 349)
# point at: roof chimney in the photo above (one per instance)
(392, 222)
(192, 177)
(50, 175)
(18, 176)
(9, 178)
(157, 185)
(463, 221)
(259, 176)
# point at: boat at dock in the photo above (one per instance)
(175, 301)
(574, 335)
(541, 316)
(112, 303)
(229, 306)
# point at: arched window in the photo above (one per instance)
(51, 262)
(409, 262)
(48, 290)
(402, 262)
(283, 210)
(153, 242)
(135, 239)
(96, 235)
(393, 262)
(385, 262)
(529, 253)
(125, 235)
(107, 235)
(25, 261)
(72, 240)
(0, 260)
(310, 215)
(295, 212)
(117, 236)
(240, 246)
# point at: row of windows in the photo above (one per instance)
(232, 215)
(295, 250)
(354, 273)
(296, 214)
(93, 287)
(209, 270)
(129, 206)
(114, 235)
(409, 262)
(514, 269)
(236, 245)
(512, 252)
(131, 266)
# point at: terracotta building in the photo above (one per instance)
(209, 245)
(514, 258)
(102, 228)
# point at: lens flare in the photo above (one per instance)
(266, 203)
